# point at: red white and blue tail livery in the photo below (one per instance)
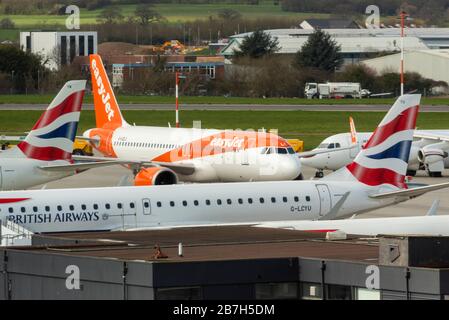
(53, 134)
(383, 159)
(46, 152)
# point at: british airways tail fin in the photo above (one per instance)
(107, 111)
(384, 158)
(53, 135)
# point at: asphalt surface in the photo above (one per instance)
(425, 108)
(111, 176)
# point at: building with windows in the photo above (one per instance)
(356, 44)
(234, 262)
(59, 48)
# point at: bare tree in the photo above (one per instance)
(146, 15)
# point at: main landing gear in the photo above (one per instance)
(319, 174)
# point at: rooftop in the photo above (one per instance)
(206, 244)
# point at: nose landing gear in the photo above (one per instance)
(319, 174)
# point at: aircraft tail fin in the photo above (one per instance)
(353, 131)
(53, 135)
(384, 158)
(107, 110)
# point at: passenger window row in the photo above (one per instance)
(145, 145)
(219, 202)
(71, 207)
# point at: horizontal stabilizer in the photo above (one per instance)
(410, 193)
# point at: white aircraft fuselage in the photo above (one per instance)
(335, 160)
(118, 208)
(216, 155)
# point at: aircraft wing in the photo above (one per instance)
(312, 153)
(93, 140)
(12, 138)
(77, 166)
(432, 135)
(410, 193)
(180, 168)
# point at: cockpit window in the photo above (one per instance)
(331, 146)
(272, 150)
(323, 145)
(281, 150)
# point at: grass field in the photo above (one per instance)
(171, 11)
(43, 99)
(312, 127)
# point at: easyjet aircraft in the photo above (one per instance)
(375, 179)
(46, 152)
(162, 155)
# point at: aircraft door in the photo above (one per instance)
(146, 205)
(244, 158)
(325, 198)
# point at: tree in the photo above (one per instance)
(146, 14)
(111, 14)
(229, 14)
(320, 52)
(359, 73)
(257, 45)
(7, 23)
(20, 65)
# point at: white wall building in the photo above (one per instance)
(59, 48)
(356, 44)
(432, 64)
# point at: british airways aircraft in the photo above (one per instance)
(375, 179)
(46, 152)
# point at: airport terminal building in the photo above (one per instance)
(225, 263)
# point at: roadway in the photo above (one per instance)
(425, 108)
(111, 176)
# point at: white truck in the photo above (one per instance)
(334, 90)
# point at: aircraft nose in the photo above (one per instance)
(86, 134)
(291, 167)
(313, 161)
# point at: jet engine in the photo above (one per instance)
(155, 176)
(432, 156)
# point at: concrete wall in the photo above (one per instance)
(42, 275)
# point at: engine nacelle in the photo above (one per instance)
(155, 176)
(431, 155)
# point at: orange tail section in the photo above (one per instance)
(107, 111)
(353, 131)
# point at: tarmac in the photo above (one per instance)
(280, 107)
(111, 176)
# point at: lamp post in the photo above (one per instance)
(178, 77)
(403, 16)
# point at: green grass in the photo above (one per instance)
(126, 99)
(173, 12)
(9, 34)
(310, 126)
